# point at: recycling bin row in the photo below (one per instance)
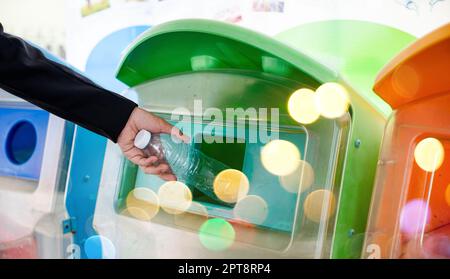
(298, 121)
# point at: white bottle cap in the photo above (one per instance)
(142, 139)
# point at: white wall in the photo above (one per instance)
(40, 21)
(45, 22)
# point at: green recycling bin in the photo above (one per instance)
(300, 137)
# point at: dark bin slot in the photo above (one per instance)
(21, 142)
(226, 150)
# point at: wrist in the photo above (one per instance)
(129, 125)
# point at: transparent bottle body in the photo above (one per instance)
(189, 165)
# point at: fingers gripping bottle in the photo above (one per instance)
(189, 165)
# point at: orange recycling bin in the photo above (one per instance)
(410, 210)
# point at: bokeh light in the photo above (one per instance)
(252, 209)
(302, 106)
(429, 154)
(300, 180)
(193, 218)
(217, 234)
(280, 157)
(174, 197)
(316, 202)
(332, 100)
(99, 247)
(231, 185)
(142, 204)
(415, 215)
(447, 195)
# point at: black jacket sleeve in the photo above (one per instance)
(26, 73)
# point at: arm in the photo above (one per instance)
(26, 73)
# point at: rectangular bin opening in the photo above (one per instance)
(281, 209)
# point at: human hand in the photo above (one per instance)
(139, 120)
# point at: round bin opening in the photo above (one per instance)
(21, 142)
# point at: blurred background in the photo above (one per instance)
(71, 28)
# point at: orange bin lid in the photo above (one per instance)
(421, 70)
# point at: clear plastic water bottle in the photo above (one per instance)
(189, 165)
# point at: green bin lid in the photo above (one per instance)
(190, 45)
